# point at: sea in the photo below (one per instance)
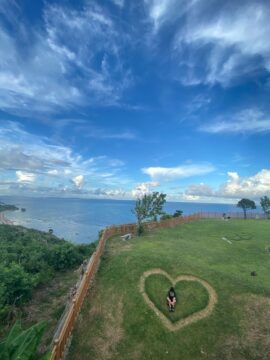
(80, 220)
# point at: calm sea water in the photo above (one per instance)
(80, 220)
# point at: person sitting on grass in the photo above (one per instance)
(171, 299)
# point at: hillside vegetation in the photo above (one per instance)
(116, 322)
(5, 207)
(29, 259)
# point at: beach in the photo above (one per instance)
(4, 220)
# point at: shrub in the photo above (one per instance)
(178, 213)
(140, 229)
(165, 216)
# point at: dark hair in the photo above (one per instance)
(172, 289)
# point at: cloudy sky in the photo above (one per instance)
(107, 99)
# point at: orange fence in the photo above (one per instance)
(233, 215)
(68, 324)
(61, 341)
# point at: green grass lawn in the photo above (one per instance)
(191, 296)
(117, 323)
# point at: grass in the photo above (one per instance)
(116, 323)
(191, 296)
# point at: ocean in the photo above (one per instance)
(80, 220)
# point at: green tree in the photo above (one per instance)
(178, 213)
(246, 204)
(16, 282)
(148, 207)
(165, 216)
(265, 204)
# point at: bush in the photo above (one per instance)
(165, 216)
(16, 284)
(140, 229)
(178, 213)
(62, 257)
(29, 258)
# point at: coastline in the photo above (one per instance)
(4, 220)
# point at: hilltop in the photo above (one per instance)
(117, 322)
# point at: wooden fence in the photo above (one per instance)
(232, 215)
(61, 341)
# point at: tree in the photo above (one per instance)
(148, 207)
(178, 213)
(246, 204)
(265, 204)
(165, 216)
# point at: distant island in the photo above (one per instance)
(5, 207)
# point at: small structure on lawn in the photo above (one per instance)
(126, 236)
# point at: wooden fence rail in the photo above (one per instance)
(61, 341)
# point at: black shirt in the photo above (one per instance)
(171, 295)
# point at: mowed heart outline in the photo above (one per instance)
(198, 315)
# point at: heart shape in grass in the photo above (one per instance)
(196, 298)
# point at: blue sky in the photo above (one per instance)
(111, 99)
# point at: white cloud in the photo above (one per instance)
(115, 193)
(226, 43)
(235, 187)
(25, 177)
(53, 172)
(253, 186)
(172, 173)
(199, 190)
(75, 60)
(20, 150)
(162, 11)
(144, 189)
(119, 3)
(157, 10)
(246, 121)
(52, 165)
(187, 197)
(78, 181)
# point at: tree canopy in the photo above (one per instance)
(246, 204)
(265, 204)
(148, 207)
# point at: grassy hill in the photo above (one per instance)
(116, 322)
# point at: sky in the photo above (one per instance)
(117, 98)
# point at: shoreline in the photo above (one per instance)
(4, 220)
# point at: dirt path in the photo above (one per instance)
(191, 318)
